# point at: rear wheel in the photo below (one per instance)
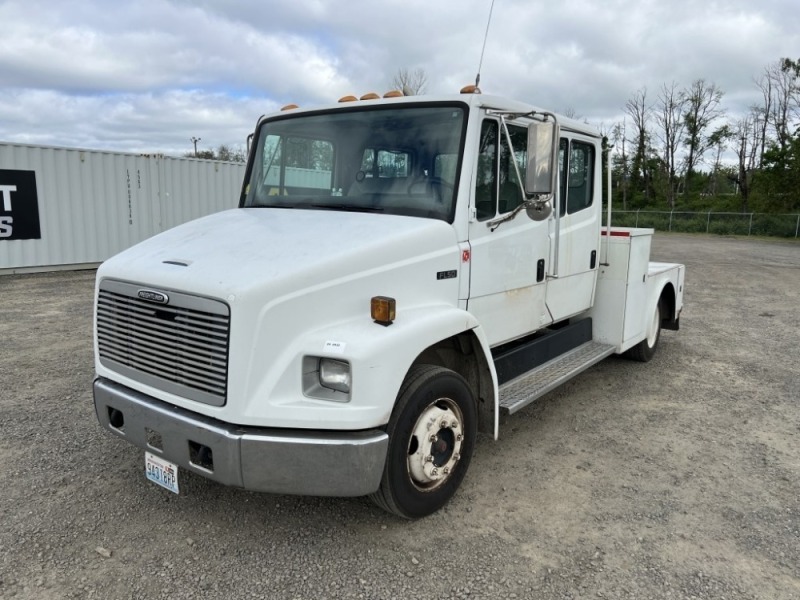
(644, 350)
(432, 435)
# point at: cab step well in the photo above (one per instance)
(519, 392)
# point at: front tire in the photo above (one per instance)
(432, 435)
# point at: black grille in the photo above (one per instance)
(172, 346)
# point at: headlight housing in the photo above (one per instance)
(327, 378)
(335, 375)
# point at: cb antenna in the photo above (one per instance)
(485, 37)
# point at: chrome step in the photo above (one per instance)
(526, 388)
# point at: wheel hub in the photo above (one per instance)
(435, 444)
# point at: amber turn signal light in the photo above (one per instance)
(382, 310)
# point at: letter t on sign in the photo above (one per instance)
(5, 191)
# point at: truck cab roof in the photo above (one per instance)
(485, 101)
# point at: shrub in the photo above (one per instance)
(775, 225)
(727, 224)
(766, 224)
(689, 222)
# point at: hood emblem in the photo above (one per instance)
(153, 296)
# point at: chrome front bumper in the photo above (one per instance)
(313, 463)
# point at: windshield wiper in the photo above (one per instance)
(350, 207)
(292, 205)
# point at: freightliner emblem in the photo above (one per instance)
(152, 296)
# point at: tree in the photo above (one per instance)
(663, 146)
(411, 83)
(224, 153)
(763, 112)
(780, 175)
(669, 116)
(639, 112)
(747, 136)
(781, 103)
(779, 172)
(621, 161)
(702, 109)
(785, 76)
(718, 141)
(229, 154)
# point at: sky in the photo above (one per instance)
(149, 75)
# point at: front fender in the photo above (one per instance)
(379, 357)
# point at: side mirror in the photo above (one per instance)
(542, 137)
(539, 211)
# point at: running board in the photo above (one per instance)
(534, 384)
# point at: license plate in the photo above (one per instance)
(161, 471)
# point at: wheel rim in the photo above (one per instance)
(652, 330)
(434, 448)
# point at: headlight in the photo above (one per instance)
(334, 374)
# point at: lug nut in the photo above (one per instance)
(446, 470)
(456, 457)
(429, 458)
(434, 472)
(459, 437)
(433, 437)
(443, 424)
(454, 424)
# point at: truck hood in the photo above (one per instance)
(231, 252)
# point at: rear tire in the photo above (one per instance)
(646, 349)
(432, 435)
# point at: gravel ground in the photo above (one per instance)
(679, 478)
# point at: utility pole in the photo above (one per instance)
(194, 141)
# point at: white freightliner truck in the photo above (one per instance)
(400, 271)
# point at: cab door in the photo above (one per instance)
(508, 262)
(571, 291)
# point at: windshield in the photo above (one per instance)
(392, 160)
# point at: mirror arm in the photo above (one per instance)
(538, 207)
(531, 205)
(495, 223)
(513, 158)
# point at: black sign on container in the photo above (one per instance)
(19, 206)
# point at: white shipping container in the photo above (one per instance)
(90, 204)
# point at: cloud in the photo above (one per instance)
(146, 76)
(142, 123)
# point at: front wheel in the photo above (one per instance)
(432, 435)
(646, 349)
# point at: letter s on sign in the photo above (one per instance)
(6, 226)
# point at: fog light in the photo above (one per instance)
(334, 374)
(116, 418)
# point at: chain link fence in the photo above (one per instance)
(723, 223)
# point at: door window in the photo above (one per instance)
(497, 189)
(576, 176)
